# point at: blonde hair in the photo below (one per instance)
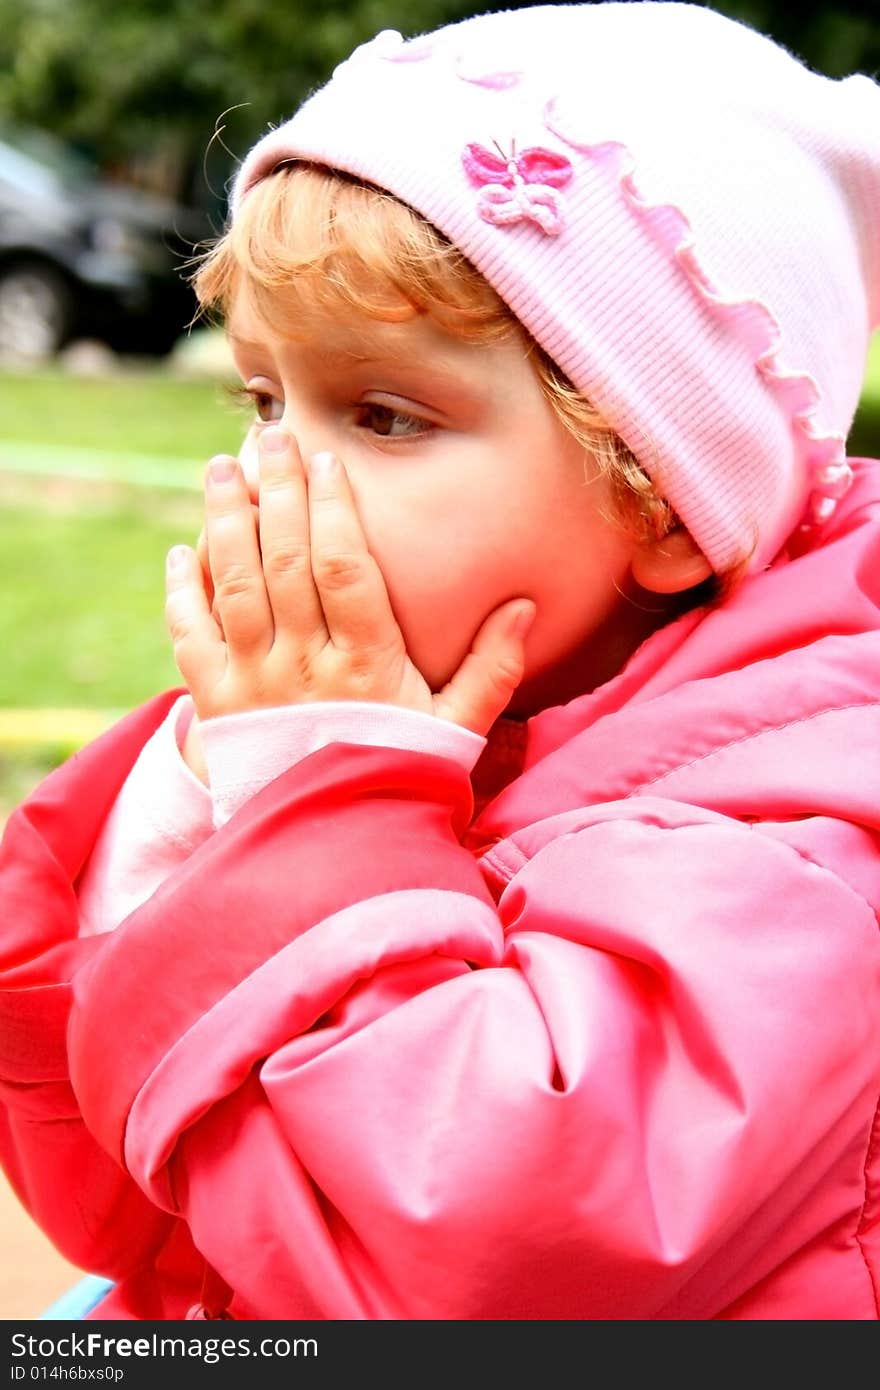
(308, 238)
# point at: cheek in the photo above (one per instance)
(443, 582)
(427, 546)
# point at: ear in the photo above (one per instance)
(671, 564)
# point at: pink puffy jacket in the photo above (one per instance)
(612, 1051)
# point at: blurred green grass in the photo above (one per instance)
(167, 416)
(81, 622)
(81, 566)
(81, 563)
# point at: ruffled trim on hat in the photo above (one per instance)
(798, 394)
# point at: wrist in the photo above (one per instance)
(191, 751)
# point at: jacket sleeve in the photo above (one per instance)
(90, 845)
(374, 1091)
(82, 1198)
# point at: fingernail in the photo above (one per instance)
(523, 620)
(322, 466)
(177, 558)
(274, 441)
(222, 470)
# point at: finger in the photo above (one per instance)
(199, 650)
(357, 610)
(202, 552)
(234, 557)
(485, 681)
(249, 460)
(284, 540)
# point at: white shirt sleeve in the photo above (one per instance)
(162, 813)
(244, 752)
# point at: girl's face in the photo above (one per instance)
(470, 490)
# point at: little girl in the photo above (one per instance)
(489, 930)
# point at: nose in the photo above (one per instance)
(305, 434)
(308, 433)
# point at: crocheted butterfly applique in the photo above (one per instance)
(519, 187)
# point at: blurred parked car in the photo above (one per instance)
(80, 256)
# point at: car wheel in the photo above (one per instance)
(36, 311)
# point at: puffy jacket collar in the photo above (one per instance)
(766, 705)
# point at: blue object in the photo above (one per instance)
(78, 1300)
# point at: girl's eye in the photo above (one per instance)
(267, 407)
(384, 420)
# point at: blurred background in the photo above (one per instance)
(120, 128)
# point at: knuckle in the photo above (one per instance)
(300, 677)
(286, 560)
(307, 683)
(275, 475)
(360, 675)
(361, 665)
(179, 630)
(508, 673)
(367, 658)
(177, 622)
(235, 581)
(338, 569)
(361, 686)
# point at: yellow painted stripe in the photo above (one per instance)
(21, 728)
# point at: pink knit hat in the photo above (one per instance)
(682, 215)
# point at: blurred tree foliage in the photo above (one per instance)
(158, 75)
(119, 79)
